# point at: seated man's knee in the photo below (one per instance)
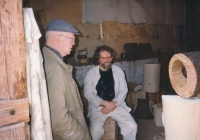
(96, 132)
(132, 126)
(135, 126)
(96, 129)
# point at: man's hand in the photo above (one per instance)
(109, 105)
(105, 110)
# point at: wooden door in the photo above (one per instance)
(14, 104)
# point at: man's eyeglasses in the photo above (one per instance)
(105, 58)
(73, 39)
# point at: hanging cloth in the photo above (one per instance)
(36, 82)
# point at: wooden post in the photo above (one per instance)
(181, 117)
(12, 51)
(14, 109)
(184, 73)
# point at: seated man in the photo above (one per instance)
(105, 88)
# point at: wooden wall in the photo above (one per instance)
(161, 37)
(14, 104)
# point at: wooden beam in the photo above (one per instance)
(12, 51)
(4, 94)
(13, 111)
(13, 126)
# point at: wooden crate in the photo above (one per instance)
(111, 130)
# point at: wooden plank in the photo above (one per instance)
(13, 111)
(12, 37)
(27, 131)
(13, 132)
(58, 10)
(3, 74)
(13, 126)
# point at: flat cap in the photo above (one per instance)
(61, 26)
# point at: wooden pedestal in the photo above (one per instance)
(181, 117)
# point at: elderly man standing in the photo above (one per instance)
(68, 122)
(105, 88)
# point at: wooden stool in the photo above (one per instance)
(111, 130)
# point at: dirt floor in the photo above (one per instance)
(147, 130)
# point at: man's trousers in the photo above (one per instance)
(127, 124)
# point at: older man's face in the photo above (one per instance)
(105, 60)
(68, 40)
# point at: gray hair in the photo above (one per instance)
(51, 33)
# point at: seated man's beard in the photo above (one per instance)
(106, 65)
